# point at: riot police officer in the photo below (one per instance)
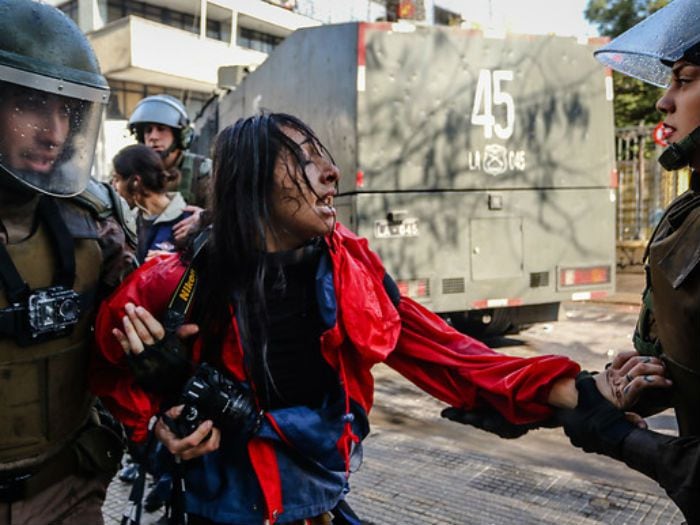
(663, 50)
(161, 122)
(62, 247)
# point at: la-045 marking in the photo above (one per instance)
(384, 229)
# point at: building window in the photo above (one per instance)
(70, 9)
(256, 40)
(125, 95)
(117, 9)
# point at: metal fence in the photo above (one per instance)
(644, 187)
(644, 190)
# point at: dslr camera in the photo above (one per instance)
(208, 394)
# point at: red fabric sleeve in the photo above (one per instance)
(151, 286)
(466, 373)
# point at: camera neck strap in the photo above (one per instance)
(16, 288)
(181, 300)
(62, 241)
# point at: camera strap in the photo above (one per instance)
(181, 300)
(16, 289)
(62, 241)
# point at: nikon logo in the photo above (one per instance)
(187, 288)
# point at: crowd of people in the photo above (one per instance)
(213, 317)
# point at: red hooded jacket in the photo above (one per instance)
(369, 329)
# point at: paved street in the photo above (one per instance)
(420, 469)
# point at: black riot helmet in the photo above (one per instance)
(648, 51)
(52, 96)
(165, 110)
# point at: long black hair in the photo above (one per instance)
(234, 266)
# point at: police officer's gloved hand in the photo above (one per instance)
(595, 425)
(492, 421)
(162, 368)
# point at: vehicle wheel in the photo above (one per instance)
(484, 323)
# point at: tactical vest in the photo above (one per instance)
(195, 179)
(669, 320)
(44, 399)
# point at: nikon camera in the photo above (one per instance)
(210, 395)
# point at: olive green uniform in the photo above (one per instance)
(50, 432)
(194, 182)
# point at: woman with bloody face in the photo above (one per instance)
(290, 312)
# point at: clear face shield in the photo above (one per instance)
(648, 50)
(48, 131)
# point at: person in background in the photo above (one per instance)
(62, 249)
(161, 123)
(266, 404)
(141, 179)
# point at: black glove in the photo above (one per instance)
(162, 368)
(492, 421)
(595, 425)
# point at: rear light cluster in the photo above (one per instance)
(584, 276)
(414, 287)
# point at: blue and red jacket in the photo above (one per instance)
(296, 466)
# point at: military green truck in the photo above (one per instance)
(481, 169)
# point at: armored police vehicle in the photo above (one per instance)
(480, 169)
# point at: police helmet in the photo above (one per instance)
(52, 96)
(648, 51)
(165, 110)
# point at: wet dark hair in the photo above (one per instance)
(234, 268)
(141, 160)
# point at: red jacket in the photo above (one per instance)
(369, 329)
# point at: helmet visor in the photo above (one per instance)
(47, 139)
(648, 50)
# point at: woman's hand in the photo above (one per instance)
(628, 375)
(205, 439)
(140, 328)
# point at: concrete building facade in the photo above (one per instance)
(147, 47)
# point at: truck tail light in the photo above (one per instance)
(414, 288)
(584, 276)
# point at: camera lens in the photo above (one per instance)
(68, 309)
